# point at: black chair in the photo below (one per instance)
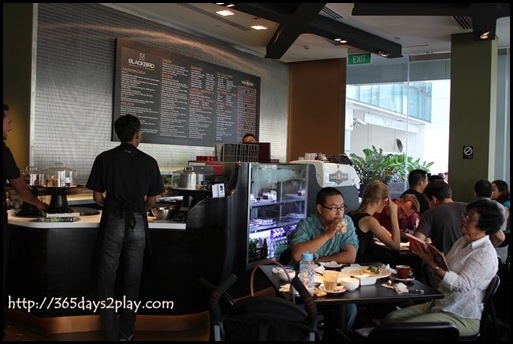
(488, 317)
(261, 318)
(414, 332)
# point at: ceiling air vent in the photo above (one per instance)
(330, 13)
(464, 22)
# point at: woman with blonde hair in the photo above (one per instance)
(375, 198)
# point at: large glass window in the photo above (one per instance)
(400, 117)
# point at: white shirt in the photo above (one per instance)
(472, 268)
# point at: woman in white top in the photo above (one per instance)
(472, 263)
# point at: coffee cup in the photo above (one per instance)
(403, 271)
(330, 280)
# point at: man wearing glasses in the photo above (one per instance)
(329, 238)
(324, 233)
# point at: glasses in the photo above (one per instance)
(334, 209)
(469, 218)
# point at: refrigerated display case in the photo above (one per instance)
(276, 202)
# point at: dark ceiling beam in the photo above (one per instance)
(357, 38)
(296, 19)
(484, 15)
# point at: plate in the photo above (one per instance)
(340, 289)
(331, 265)
(395, 278)
(358, 271)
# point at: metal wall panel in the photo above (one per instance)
(74, 83)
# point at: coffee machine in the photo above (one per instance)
(340, 176)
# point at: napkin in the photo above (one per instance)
(401, 288)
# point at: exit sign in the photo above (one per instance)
(360, 59)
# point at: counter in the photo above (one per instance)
(51, 261)
(88, 221)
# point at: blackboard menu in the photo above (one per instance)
(183, 101)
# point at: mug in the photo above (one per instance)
(403, 271)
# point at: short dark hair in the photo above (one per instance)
(249, 135)
(490, 219)
(439, 189)
(325, 192)
(503, 188)
(126, 126)
(483, 188)
(415, 176)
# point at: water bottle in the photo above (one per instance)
(306, 271)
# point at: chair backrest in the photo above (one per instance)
(488, 308)
(415, 331)
(488, 314)
(262, 317)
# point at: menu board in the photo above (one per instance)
(183, 101)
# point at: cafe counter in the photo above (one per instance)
(52, 265)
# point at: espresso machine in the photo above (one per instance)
(340, 176)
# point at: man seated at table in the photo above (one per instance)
(471, 265)
(322, 234)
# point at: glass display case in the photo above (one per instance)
(277, 201)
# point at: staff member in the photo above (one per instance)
(249, 138)
(11, 173)
(131, 182)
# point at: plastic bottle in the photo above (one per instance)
(306, 271)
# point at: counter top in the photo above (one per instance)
(88, 221)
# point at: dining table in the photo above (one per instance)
(366, 294)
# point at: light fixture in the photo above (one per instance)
(259, 27)
(225, 4)
(484, 35)
(225, 13)
(340, 40)
(382, 53)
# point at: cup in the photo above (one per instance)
(330, 279)
(403, 271)
(342, 226)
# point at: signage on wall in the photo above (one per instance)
(468, 152)
(364, 58)
(183, 101)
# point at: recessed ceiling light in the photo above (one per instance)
(485, 35)
(225, 13)
(259, 27)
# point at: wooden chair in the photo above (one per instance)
(488, 316)
(414, 332)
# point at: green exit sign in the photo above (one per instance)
(359, 59)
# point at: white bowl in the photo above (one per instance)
(350, 283)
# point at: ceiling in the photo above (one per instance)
(305, 31)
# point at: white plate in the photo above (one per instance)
(394, 277)
(359, 272)
(331, 265)
(340, 289)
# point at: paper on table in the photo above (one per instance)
(439, 256)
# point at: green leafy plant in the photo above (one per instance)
(374, 165)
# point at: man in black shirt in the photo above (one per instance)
(131, 182)
(417, 180)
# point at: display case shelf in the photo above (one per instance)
(277, 202)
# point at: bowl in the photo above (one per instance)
(165, 213)
(350, 283)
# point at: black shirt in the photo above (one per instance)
(423, 201)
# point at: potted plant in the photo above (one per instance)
(388, 168)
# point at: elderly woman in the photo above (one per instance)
(472, 263)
